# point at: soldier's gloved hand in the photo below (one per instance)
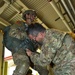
(29, 52)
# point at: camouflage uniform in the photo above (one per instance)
(58, 47)
(14, 34)
(13, 37)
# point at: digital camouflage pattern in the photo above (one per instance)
(18, 30)
(22, 61)
(13, 38)
(58, 47)
(14, 35)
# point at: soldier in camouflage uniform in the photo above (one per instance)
(57, 47)
(18, 30)
(13, 36)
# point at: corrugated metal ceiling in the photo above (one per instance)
(45, 12)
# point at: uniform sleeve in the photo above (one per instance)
(39, 59)
(45, 56)
(70, 43)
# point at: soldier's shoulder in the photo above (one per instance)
(19, 22)
(55, 31)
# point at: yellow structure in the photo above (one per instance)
(1, 52)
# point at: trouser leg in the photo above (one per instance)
(22, 63)
(21, 69)
(41, 70)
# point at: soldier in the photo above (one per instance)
(13, 36)
(18, 30)
(57, 47)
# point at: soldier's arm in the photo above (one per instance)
(28, 52)
(40, 58)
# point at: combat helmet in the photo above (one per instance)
(30, 11)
